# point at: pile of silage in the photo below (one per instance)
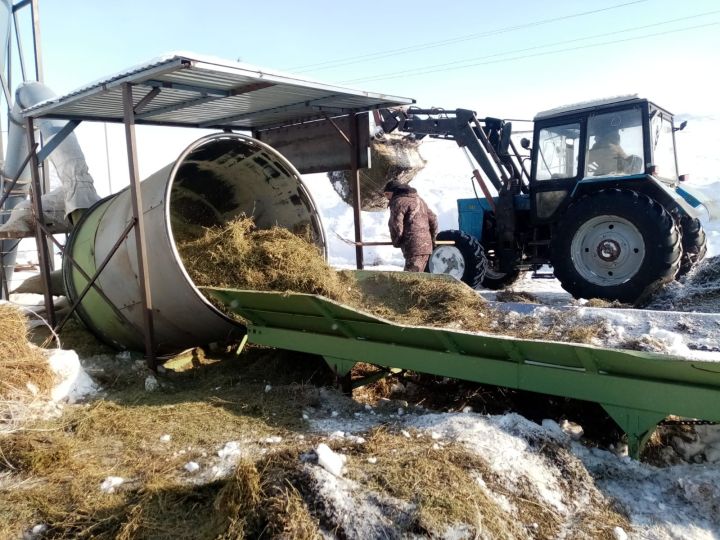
(411, 299)
(698, 291)
(237, 255)
(392, 157)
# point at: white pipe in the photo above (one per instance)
(77, 190)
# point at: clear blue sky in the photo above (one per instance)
(84, 40)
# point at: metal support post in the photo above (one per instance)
(42, 244)
(140, 242)
(39, 77)
(355, 182)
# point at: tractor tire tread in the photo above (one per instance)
(473, 253)
(694, 244)
(660, 233)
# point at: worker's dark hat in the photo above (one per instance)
(394, 185)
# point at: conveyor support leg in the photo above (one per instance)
(638, 425)
(342, 368)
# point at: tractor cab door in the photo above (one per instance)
(615, 144)
(556, 167)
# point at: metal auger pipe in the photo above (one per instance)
(216, 179)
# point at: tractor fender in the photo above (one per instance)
(701, 197)
(670, 197)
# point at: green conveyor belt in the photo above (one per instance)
(638, 389)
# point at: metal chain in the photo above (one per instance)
(688, 423)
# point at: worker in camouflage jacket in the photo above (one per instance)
(412, 224)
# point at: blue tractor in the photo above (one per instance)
(601, 201)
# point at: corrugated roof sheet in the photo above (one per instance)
(210, 92)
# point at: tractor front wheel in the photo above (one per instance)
(464, 259)
(615, 244)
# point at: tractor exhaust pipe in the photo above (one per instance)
(214, 180)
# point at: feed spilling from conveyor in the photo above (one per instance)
(239, 255)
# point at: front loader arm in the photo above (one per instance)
(460, 126)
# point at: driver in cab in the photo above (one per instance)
(606, 156)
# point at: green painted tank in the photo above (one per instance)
(214, 180)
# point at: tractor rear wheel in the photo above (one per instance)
(694, 243)
(464, 259)
(615, 244)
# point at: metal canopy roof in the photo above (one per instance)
(196, 91)
(583, 105)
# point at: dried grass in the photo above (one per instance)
(57, 466)
(602, 303)
(57, 469)
(237, 255)
(453, 485)
(442, 485)
(699, 290)
(416, 300)
(287, 497)
(238, 500)
(20, 362)
(516, 296)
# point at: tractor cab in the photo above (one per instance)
(618, 142)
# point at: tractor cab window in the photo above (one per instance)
(663, 146)
(558, 149)
(615, 144)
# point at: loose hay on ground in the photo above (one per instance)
(20, 362)
(52, 471)
(699, 290)
(516, 296)
(442, 484)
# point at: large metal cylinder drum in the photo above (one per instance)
(214, 180)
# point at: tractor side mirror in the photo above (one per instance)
(681, 126)
(525, 143)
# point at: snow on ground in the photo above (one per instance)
(676, 502)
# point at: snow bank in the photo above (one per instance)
(74, 383)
